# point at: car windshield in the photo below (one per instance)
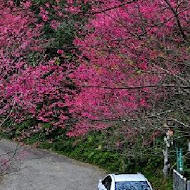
(132, 185)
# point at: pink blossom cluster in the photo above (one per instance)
(126, 49)
(126, 45)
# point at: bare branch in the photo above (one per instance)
(138, 87)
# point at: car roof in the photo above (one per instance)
(128, 177)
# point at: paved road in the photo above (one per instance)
(35, 169)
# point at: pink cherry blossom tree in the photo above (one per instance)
(133, 54)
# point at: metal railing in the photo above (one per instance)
(180, 182)
(188, 185)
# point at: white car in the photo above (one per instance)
(124, 182)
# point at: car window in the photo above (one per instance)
(132, 185)
(107, 182)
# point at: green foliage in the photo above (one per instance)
(96, 148)
(92, 148)
(158, 182)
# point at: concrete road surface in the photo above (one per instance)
(25, 168)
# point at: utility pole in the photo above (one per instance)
(168, 140)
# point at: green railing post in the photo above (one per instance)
(179, 152)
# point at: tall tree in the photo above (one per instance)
(134, 56)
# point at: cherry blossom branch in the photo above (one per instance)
(1, 124)
(179, 122)
(138, 87)
(177, 19)
(114, 7)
